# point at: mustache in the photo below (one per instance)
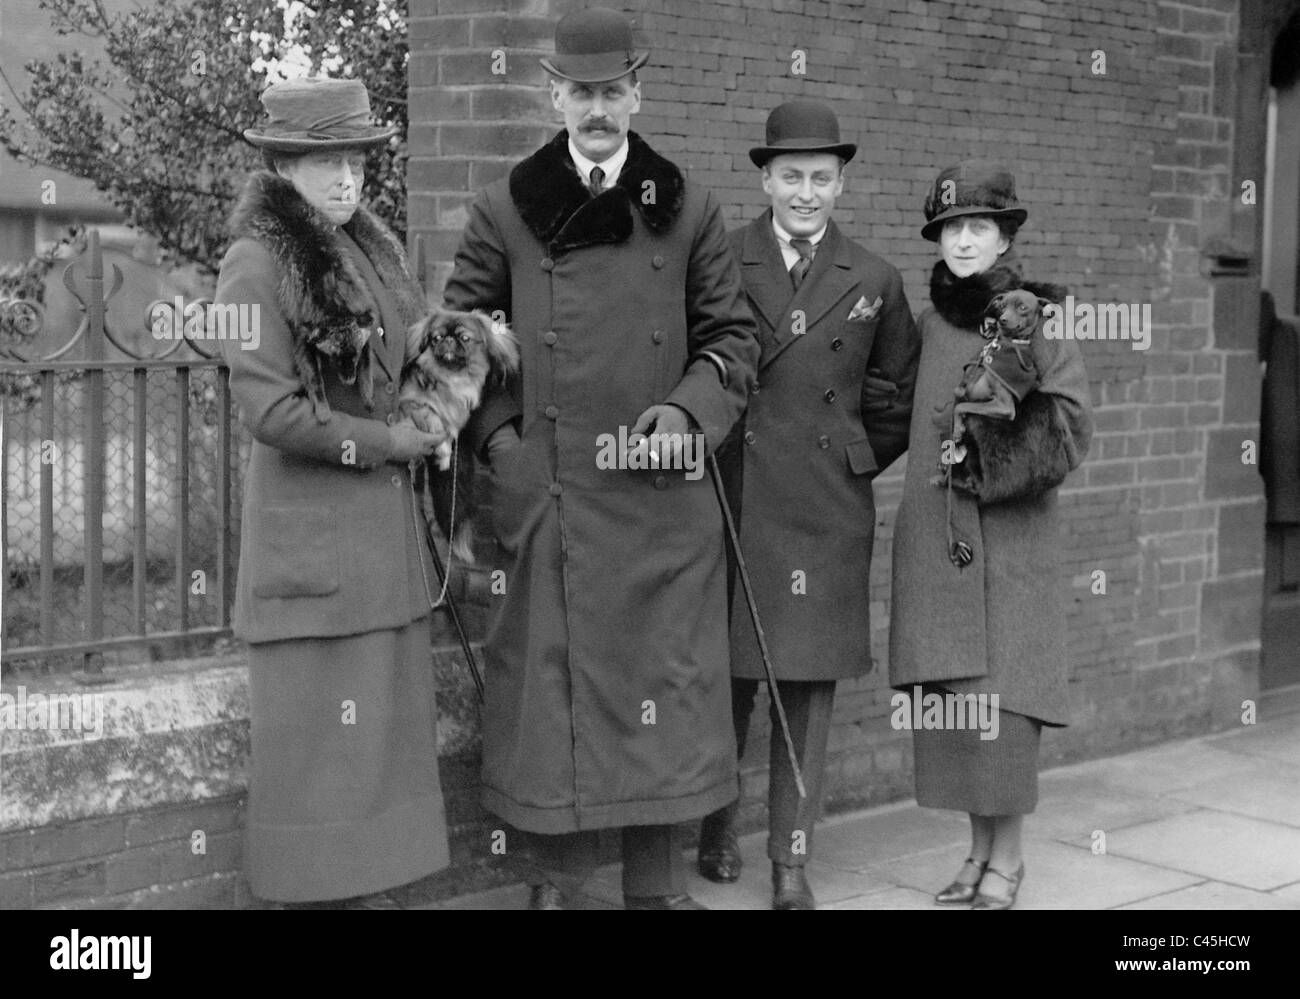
(592, 126)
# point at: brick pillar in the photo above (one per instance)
(477, 106)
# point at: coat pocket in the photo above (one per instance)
(298, 552)
(861, 458)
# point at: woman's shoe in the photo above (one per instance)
(986, 901)
(959, 892)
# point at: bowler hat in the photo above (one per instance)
(317, 114)
(802, 127)
(593, 46)
(972, 187)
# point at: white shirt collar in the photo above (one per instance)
(784, 237)
(612, 166)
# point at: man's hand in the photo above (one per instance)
(503, 438)
(672, 423)
(410, 443)
(878, 392)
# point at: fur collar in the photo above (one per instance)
(319, 282)
(559, 210)
(961, 301)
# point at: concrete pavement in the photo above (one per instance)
(1205, 823)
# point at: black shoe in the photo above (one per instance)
(719, 853)
(661, 902)
(545, 896)
(790, 888)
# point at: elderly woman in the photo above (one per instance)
(332, 597)
(976, 606)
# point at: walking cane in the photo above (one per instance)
(451, 604)
(758, 627)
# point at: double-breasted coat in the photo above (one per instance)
(607, 699)
(996, 626)
(799, 466)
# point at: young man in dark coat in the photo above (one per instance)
(607, 701)
(799, 470)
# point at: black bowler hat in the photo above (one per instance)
(317, 114)
(802, 127)
(594, 46)
(972, 187)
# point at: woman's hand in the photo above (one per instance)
(410, 443)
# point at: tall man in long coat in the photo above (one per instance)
(799, 470)
(607, 700)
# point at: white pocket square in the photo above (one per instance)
(864, 311)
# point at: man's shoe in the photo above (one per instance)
(719, 853)
(545, 896)
(790, 888)
(661, 902)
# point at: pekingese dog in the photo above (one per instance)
(449, 358)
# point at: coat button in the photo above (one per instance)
(397, 481)
(547, 264)
(837, 344)
(749, 437)
(555, 489)
(829, 395)
(391, 419)
(552, 412)
(657, 262)
(390, 388)
(657, 336)
(661, 482)
(381, 332)
(753, 389)
(549, 338)
(823, 442)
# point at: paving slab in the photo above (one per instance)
(886, 834)
(1271, 741)
(1217, 846)
(1289, 894)
(890, 899)
(1056, 876)
(1169, 767)
(1272, 792)
(1071, 806)
(1213, 895)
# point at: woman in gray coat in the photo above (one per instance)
(332, 594)
(976, 608)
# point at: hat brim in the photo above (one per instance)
(592, 68)
(264, 140)
(759, 155)
(932, 228)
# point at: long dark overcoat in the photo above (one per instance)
(806, 454)
(607, 667)
(996, 626)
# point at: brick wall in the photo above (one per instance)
(1129, 177)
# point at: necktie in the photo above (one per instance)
(597, 179)
(800, 268)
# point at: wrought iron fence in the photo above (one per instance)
(119, 518)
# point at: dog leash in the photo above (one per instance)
(451, 530)
(470, 659)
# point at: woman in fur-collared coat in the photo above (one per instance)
(977, 602)
(332, 594)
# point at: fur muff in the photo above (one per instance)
(558, 209)
(321, 294)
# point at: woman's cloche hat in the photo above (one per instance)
(972, 187)
(593, 46)
(802, 127)
(317, 114)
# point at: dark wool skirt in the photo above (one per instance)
(957, 769)
(344, 798)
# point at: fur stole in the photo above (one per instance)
(322, 295)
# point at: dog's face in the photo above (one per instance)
(1016, 312)
(445, 345)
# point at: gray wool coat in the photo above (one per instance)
(996, 626)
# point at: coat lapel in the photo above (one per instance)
(767, 282)
(828, 282)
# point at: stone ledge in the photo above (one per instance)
(158, 734)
